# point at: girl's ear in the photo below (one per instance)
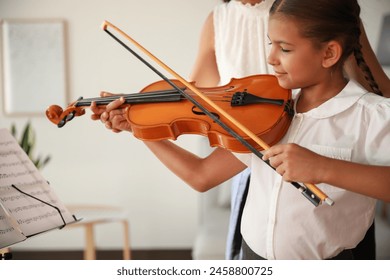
(332, 54)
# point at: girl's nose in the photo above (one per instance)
(272, 58)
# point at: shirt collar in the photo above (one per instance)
(350, 94)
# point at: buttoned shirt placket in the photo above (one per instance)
(293, 132)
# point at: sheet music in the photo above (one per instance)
(31, 215)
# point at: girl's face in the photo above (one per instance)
(296, 61)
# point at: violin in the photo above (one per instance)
(237, 97)
(160, 112)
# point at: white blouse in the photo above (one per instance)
(241, 42)
(278, 222)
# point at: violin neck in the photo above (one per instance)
(134, 98)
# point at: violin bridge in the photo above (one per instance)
(245, 98)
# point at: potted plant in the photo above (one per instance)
(27, 142)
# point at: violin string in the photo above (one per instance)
(128, 97)
(155, 96)
(132, 95)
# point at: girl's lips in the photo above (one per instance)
(279, 74)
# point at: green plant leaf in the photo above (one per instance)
(24, 142)
(13, 130)
(27, 143)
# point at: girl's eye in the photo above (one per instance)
(285, 50)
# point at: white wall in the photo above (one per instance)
(94, 166)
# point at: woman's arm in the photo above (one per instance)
(205, 71)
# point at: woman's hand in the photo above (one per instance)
(112, 115)
(296, 164)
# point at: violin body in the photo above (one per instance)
(159, 112)
(171, 119)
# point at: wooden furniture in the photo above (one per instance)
(92, 215)
(4, 253)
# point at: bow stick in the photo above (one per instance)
(310, 191)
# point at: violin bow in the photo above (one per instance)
(310, 191)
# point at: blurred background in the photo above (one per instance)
(90, 165)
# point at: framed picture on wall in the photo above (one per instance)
(34, 65)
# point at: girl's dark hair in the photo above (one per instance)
(226, 1)
(326, 20)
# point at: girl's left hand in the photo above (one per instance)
(295, 163)
(112, 115)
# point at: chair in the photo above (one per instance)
(92, 215)
(5, 253)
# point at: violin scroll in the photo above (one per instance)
(60, 117)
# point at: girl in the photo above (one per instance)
(337, 140)
(343, 124)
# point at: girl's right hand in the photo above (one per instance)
(112, 115)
